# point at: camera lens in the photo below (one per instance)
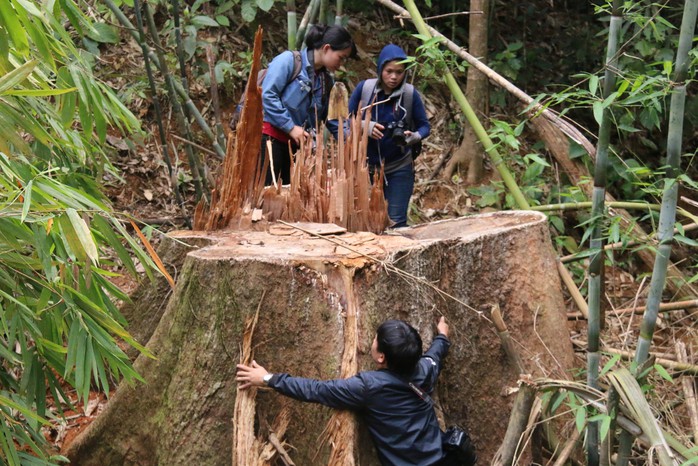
(399, 134)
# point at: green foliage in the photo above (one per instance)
(529, 168)
(59, 239)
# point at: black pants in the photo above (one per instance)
(280, 156)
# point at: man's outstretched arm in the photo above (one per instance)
(339, 393)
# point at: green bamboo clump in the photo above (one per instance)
(181, 92)
(197, 170)
(667, 214)
(157, 108)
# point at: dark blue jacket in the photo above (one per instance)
(404, 427)
(296, 103)
(385, 150)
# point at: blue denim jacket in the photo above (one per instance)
(404, 427)
(296, 103)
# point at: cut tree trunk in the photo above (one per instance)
(320, 300)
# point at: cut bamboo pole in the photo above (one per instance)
(568, 448)
(523, 404)
(507, 343)
(664, 362)
(518, 421)
(573, 290)
(624, 245)
(664, 307)
(689, 393)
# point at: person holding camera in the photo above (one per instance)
(295, 94)
(398, 125)
(393, 400)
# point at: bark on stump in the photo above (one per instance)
(321, 302)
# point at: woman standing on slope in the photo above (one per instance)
(398, 124)
(295, 96)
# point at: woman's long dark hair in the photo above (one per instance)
(337, 37)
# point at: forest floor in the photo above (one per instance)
(145, 191)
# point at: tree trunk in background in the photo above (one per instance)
(319, 305)
(470, 153)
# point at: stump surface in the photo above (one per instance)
(320, 300)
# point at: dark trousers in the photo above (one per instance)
(398, 191)
(281, 158)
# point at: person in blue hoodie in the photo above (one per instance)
(393, 400)
(293, 104)
(398, 125)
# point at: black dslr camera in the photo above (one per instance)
(398, 129)
(458, 441)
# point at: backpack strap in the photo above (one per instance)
(407, 98)
(297, 65)
(368, 90)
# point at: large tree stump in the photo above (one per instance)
(320, 301)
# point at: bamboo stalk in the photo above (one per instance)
(182, 122)
(128, 26)
(211, 59)
(470, 115)
(507, 343)
(619, 205)
(671, 187)
(158, 111)
(322, 14)
(338, 17)
(291, 24)
(596, 264)
(689, 393)
(667, 214)
(305, 21)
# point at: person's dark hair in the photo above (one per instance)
(335, 36)
(401, 345)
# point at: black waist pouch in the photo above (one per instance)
(458, 445)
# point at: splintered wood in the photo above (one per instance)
(330, 180)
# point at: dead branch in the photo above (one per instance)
(664, 362)
(688, 390)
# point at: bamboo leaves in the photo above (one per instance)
(57, 232)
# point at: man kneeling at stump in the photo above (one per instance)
(392, 400)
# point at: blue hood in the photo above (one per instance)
(389, 53)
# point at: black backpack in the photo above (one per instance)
(297, 64)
